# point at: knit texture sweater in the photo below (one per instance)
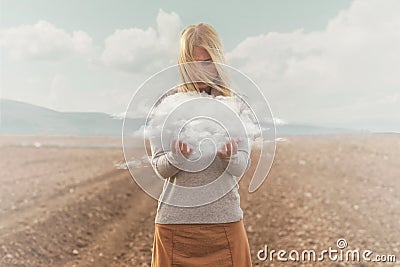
(219, 207)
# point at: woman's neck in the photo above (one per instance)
(206, 90)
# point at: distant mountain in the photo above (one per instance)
(307, 129)
(26, 119)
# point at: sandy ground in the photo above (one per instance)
(68, 205)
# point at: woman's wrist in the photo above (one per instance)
(228, 157)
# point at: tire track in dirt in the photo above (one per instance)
(87, 227)
(123, 235)
(15, 220)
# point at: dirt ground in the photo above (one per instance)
(65, 203)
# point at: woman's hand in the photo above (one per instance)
(230, 148)
(182, 147)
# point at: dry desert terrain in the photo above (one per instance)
(65, 202)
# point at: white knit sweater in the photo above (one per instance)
(225, 209)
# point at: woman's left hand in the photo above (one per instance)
(230, 148)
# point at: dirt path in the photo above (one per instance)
(87, 213)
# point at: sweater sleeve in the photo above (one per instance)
(164, 162)
(239, 162)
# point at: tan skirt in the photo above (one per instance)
(219, 245)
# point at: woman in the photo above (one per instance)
(211, 234)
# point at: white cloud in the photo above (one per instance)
(197, 118)
(144, 51)
(323, 76)
(44, 42)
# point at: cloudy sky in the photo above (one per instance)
(331, 63)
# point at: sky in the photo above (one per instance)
(329, 63)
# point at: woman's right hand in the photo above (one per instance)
(182, 147)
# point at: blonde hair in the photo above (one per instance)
(205, 36)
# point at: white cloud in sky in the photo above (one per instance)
(345, 74)
(145, 51)
(340, 74)
(44, 42)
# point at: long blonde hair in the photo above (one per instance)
(205, 36)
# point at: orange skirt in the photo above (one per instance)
(184, 245)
